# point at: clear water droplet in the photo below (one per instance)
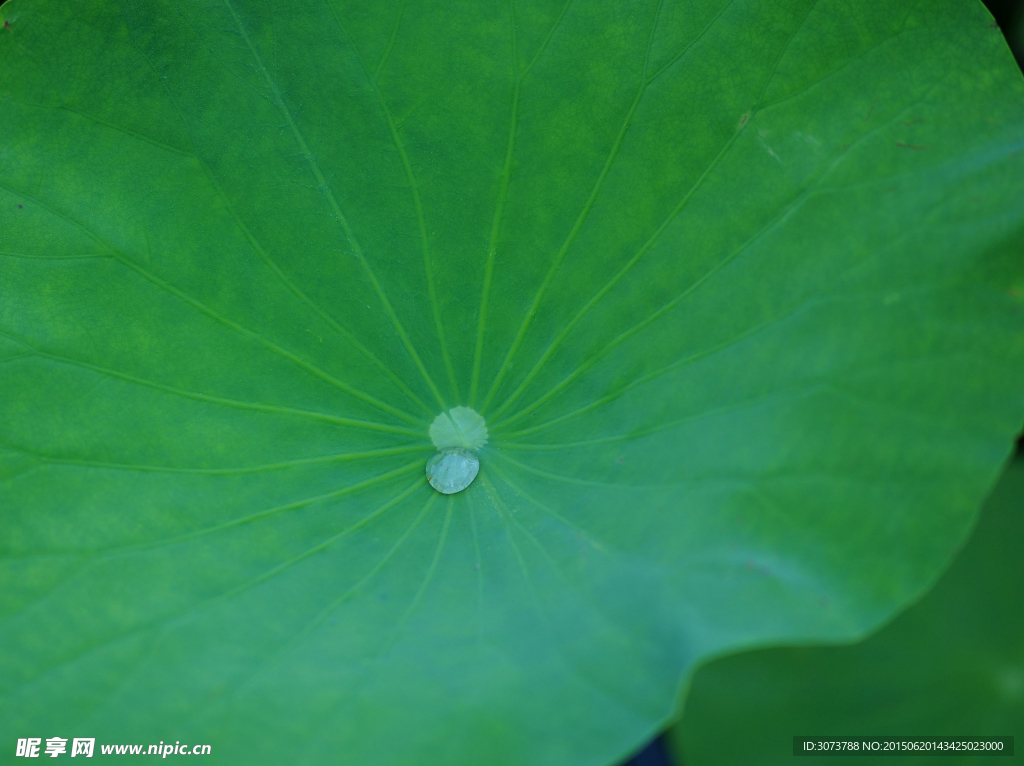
(452, 469)
(457, 434)
(459, 427)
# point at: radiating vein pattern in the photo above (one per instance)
(735, 285)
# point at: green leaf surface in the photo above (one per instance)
(735, 284)
(952, 665)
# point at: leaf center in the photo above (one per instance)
(459, 427)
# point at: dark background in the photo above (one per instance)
(1010, 17)
(1009, 14)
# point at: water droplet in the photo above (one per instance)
(452, 469)
(459, 427)
(456, 434)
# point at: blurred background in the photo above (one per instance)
(951, 665)
(1009, 14)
